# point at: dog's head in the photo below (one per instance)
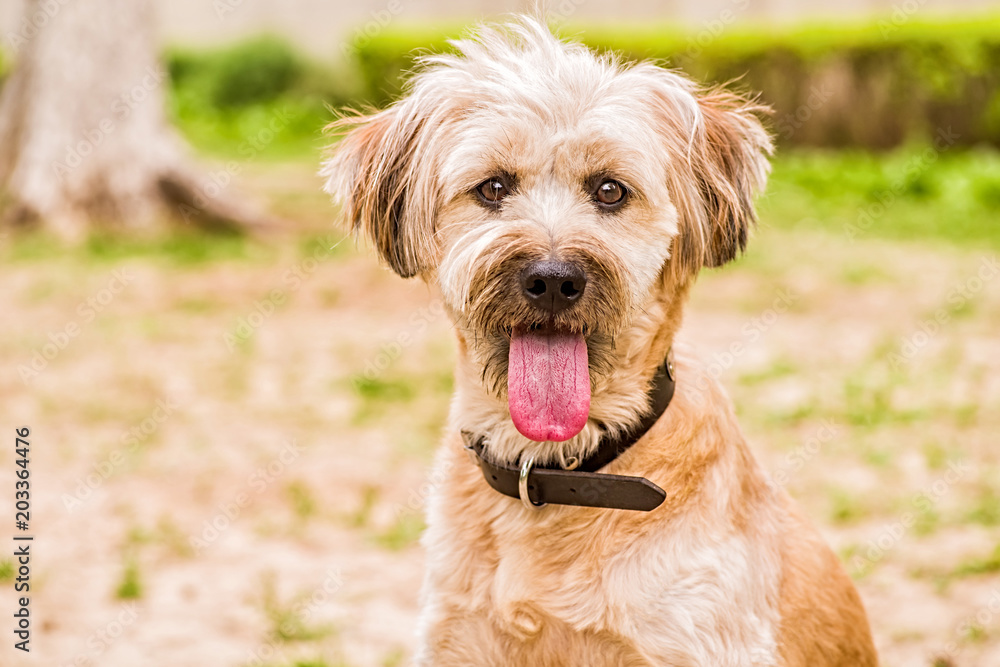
(556, 197)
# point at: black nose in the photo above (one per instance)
(553, 286)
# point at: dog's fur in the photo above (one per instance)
(726, 571)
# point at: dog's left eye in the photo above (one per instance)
(610, 193)
(492, 191)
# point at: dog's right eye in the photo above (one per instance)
(492, 191)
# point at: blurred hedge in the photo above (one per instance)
(875, 85)
(254, 71)
(222, 96)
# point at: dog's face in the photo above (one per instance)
(553, 196)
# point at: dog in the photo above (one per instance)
(599, 504)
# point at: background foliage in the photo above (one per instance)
(857, 88)
(876, 84)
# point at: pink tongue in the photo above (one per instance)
(548, 385)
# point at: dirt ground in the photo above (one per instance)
(229, 455)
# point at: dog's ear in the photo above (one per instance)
(720, 162)
(733, 166)
(383, 175)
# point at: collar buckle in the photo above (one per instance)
(522, 485)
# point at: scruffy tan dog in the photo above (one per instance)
(563, 203)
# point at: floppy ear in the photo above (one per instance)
(719, 163)
(734, 166)
(383, 175)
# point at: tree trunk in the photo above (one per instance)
(84, 141)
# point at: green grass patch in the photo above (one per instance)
(257, 99)
(936, 455)
(972, 567)
(288, 619)
(864, 274)
(178, 248)
(779, 369)
(985, 508)
(404, 532)
(130, 587)
(870, 402)
(846, 507)
(379, 395)
(905, 195)
(301, 497)
(362, 516)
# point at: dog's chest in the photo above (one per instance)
(677, 598)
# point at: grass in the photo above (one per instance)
(904, 195)
(986, 509)
(302, 499)
(130, 587)
(306, 662)
(379, 394)
(289, 619)
(778, 369)
(847, 507)
(361, 517)
(178, 248)
(980, 565)
(404, 532)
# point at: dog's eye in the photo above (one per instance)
(492, 191)
(610, 193)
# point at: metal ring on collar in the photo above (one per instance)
(522, 484)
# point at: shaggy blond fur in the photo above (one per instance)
(725, 572)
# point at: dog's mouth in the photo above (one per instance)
(548, 382)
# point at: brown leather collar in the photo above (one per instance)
(582, 486)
